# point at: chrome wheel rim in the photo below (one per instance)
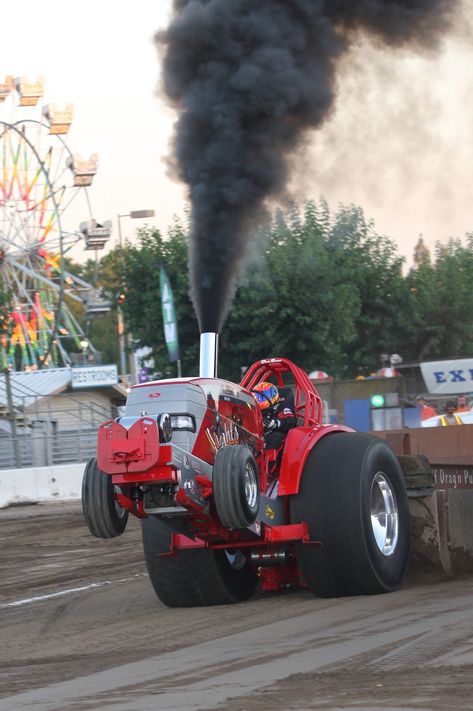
(251, 486)
(384, 514)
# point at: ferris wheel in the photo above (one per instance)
(45, 212)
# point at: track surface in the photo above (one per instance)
(110, 644)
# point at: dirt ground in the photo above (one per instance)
(81, 628)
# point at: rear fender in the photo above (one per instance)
(299, 443)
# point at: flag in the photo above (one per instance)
(169, 316)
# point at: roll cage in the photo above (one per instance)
(307, 402)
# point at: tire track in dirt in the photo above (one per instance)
(234, 666)
(116, 646)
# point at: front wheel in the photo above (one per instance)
(236, 486)
(354, 500)
(103, 514)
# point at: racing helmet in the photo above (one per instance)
(266, 394)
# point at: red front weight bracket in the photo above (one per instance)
(122, 451)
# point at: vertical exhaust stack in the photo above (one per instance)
(208, 355)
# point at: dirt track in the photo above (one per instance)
(112, 645)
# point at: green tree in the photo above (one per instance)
(293, 302)
(134, 272)
(372, 269)
(441, 304)
(325, 290)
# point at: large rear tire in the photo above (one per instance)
(195, 577)
(103, 515)
(353, 497)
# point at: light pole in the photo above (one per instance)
(134, 215)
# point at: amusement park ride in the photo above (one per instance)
(43, 185)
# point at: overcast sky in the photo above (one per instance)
(399, 143)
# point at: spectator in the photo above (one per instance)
(462, 405)
(425, 409)
(450, 418)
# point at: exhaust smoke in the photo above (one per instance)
(249, 78)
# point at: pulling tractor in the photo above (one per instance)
(221, 514)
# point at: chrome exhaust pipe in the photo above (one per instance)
(208, 355)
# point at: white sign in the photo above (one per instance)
(94, 376)
(447, 377)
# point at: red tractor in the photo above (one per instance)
(221, 513)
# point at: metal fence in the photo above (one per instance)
(45, 436)
(45, 448)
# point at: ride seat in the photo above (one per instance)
(287, 396)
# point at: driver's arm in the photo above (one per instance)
(286, 419)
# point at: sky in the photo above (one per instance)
(399, 142)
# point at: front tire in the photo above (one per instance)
(236, 486)
(103, 515)
(195, 577)
(353, 497)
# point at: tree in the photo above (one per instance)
(372, 269)
(441, 304)
(134, 272)
(323, 289)
(293, 302)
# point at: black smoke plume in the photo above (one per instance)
(248, 78)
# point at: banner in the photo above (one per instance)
(169, 316)
(448, 377)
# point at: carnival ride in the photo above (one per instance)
(43, 186)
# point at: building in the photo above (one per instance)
(51, 416)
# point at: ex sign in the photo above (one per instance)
(447, 377)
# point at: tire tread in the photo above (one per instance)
(98, 503)
(330, 499)
(192, 578)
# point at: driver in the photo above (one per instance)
(278, 417)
